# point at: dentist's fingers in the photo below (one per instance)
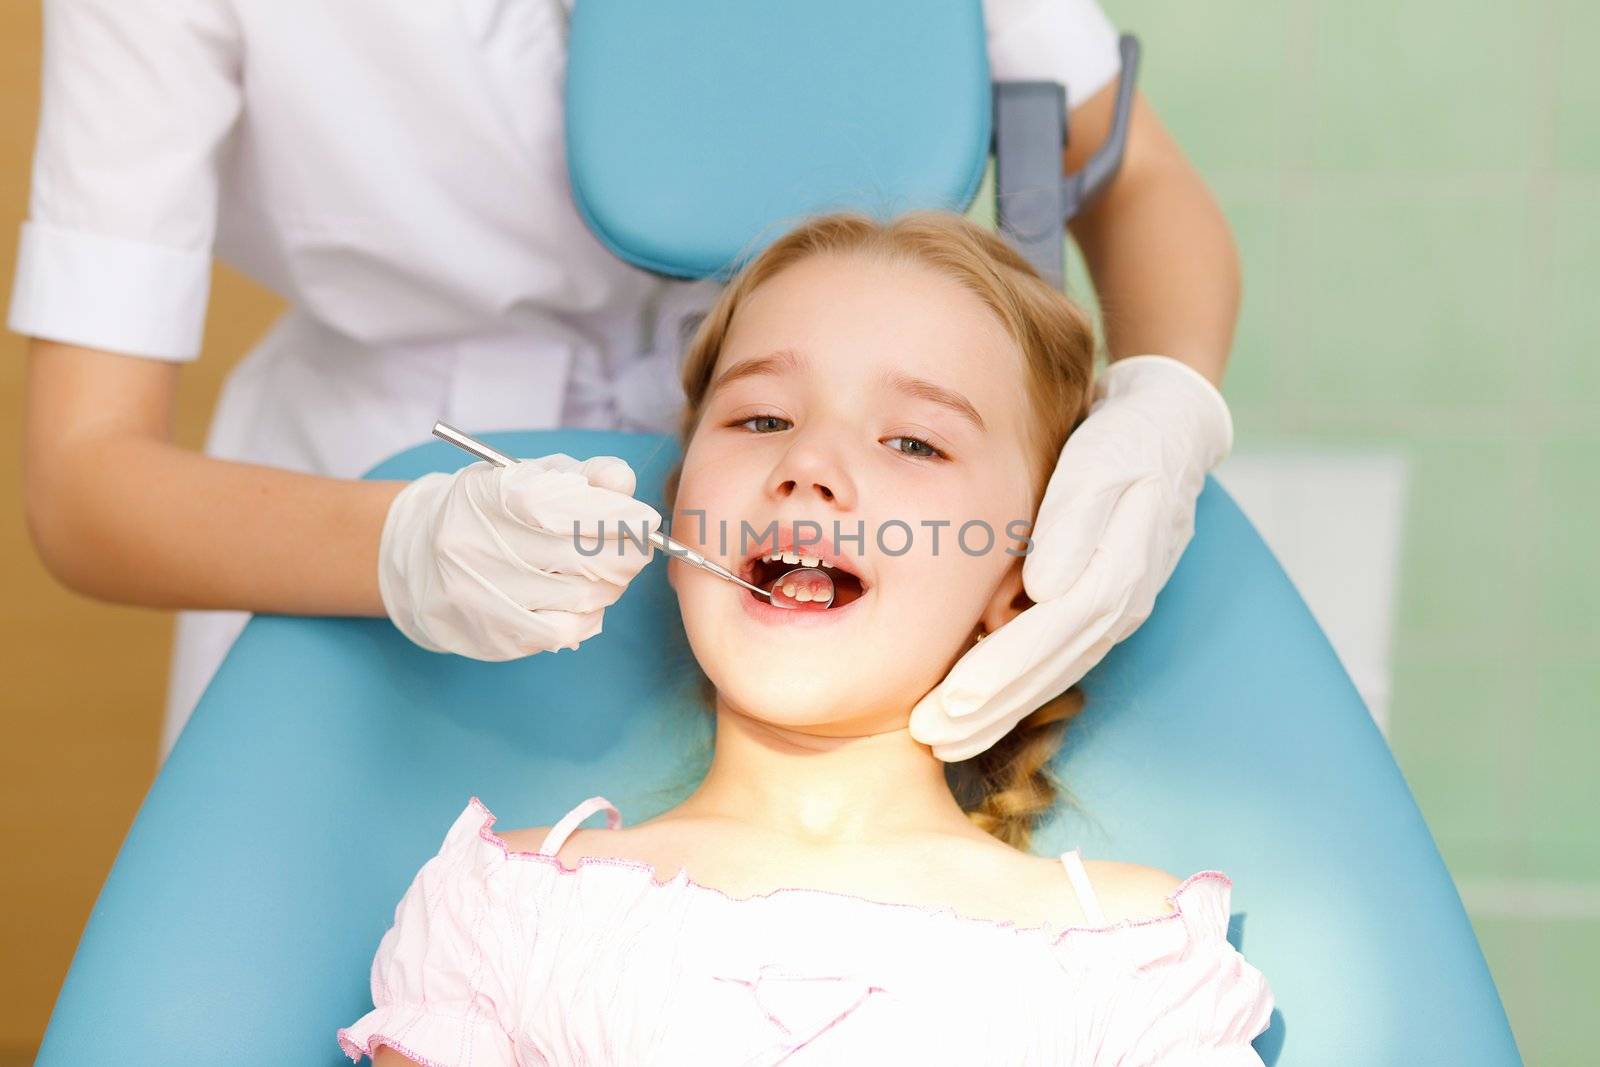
(1114, 453)
(1071, 524)
(564, 502)
(536, 589)
(1037, 650)
(561, 524)
(1039, 654)
(604, 472)
(497, 562)
(610, 472)
(1055, 629)
(957, 739)
(495, 627)
(522, 557)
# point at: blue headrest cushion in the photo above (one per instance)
(699, 130)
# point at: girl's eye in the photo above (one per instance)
(914, 447)
(765, 423)
(919, 448)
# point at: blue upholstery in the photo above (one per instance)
(697, 129)
(329, 756)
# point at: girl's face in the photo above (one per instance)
(854, 396)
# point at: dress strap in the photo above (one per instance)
(569, 822)
(1073, 862)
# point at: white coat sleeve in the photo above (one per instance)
(136, 99)
(1070, 42)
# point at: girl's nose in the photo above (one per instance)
(809, 469)
(790, 487)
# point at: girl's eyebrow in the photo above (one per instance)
(779, 362)
(923, 389)
(787, 359)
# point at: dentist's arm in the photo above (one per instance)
(1119, 509)
(120, 513)
(483, 562)
(1163, 259)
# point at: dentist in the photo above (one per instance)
(396, 173)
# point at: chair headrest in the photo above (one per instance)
(698, 131)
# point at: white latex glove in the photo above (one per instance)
(1116, 515)
(485, 563)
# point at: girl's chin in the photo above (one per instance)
(793, 719)
(787, 698)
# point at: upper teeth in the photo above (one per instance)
(791, 557)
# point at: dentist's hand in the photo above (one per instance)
(1116, 516)
(485, 562)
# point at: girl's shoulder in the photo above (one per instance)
(474, 847)
(1132, 890)
(475, 833)
(1068, 890)
(526, 839)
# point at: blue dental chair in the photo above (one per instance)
(328, 756)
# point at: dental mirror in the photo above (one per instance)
(803, 585)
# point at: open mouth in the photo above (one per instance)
(766, 569)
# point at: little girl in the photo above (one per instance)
(832, 892)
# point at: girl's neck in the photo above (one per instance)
(876, 786)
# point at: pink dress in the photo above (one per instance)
(498, 957)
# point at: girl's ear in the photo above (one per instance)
(1009, 600)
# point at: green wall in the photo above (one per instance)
(1415, 189)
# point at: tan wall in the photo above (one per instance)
(85, 681)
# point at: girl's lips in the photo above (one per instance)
(763, 611)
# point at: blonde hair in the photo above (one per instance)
(1007, 787)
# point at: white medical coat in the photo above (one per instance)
(395, 171)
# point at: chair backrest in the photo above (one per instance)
(698, 129)
(329, 756)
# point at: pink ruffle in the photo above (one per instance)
(432, 1035)
(784, 975)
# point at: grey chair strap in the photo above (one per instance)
(1032, 199)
